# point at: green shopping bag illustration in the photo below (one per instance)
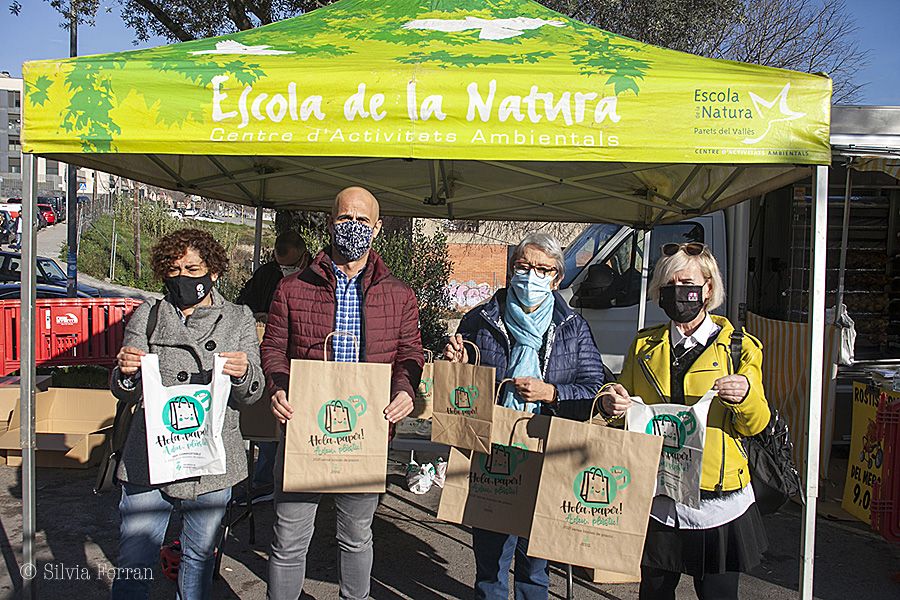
(498, 462)
(670, 429)
(464, 397)
(183, 414)
(337, 418)
(595, 487)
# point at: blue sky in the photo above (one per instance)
(36, 34)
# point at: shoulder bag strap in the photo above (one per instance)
(737, 342)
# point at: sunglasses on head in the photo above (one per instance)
(690, 248)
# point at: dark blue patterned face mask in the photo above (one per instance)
(352, 239)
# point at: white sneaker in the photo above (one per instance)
(440, 472)
(419, 478)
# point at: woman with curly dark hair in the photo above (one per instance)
(186, 329)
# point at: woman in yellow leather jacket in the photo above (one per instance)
(679, 362)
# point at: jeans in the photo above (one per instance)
(264, 470)
(145, 517)
(295, 517)
(493, 556)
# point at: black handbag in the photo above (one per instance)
(773, 474)
(115, 441)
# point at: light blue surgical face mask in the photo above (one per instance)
(530, 289)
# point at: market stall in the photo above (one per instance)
(463, 110)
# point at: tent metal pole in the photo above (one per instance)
(257, 241)
(28, 372)
(845, 234)
(818, 235)
(645, 268)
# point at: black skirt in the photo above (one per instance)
(734, 546)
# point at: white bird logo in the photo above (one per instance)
(233, 47)
(786, 113)
(490, 29)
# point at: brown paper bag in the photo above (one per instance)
(463, 404)
(497, 491)
(258, 423)
(337, 439)
(423, 403)
(594, 498)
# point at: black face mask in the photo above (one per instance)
(185, 292)
(682, 303)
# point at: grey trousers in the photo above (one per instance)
(295, 518)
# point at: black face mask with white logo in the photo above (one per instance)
(185, 292)
(682, 303)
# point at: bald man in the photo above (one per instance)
(346, 288)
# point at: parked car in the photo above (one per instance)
(58, 204)
(48, 273)
(48, 213)
(207, 216)
(175, 214)
(13, 291)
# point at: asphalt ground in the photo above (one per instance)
(416, 555)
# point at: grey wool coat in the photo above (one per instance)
(186, 355)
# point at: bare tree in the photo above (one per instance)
(813, 36)
(803, 35)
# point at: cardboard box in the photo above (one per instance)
(9, 396)
(71, 427)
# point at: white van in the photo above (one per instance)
(603, 276)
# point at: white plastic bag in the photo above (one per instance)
(184, 424)
(419, 478)
(683, 429)
(847, 331)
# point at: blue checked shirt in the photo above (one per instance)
(347, 317)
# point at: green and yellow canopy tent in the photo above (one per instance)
(463, 109)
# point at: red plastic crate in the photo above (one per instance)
(886, 492)
(69, 332)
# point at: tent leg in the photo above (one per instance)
(645, 266)
(818, 234)
(28, 372)
(257, 242)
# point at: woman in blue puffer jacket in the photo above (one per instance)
(528, 333)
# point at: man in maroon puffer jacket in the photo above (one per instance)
(348, 288)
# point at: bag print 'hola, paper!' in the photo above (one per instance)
(463, 404)
(184, 423)
(683, 430)
(497, 491)
(594, 497)
(337, 439)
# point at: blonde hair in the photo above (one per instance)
(667, 266)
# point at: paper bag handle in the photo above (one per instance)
(597, 396)
(477, 353)
(334, 333)
(500, 386)
(429, 355)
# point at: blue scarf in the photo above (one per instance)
(527, 337)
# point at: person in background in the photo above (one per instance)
(678, 362)
(347, 288)
(528, 333)
(193, 323)
(291, 257)
(18, 244)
